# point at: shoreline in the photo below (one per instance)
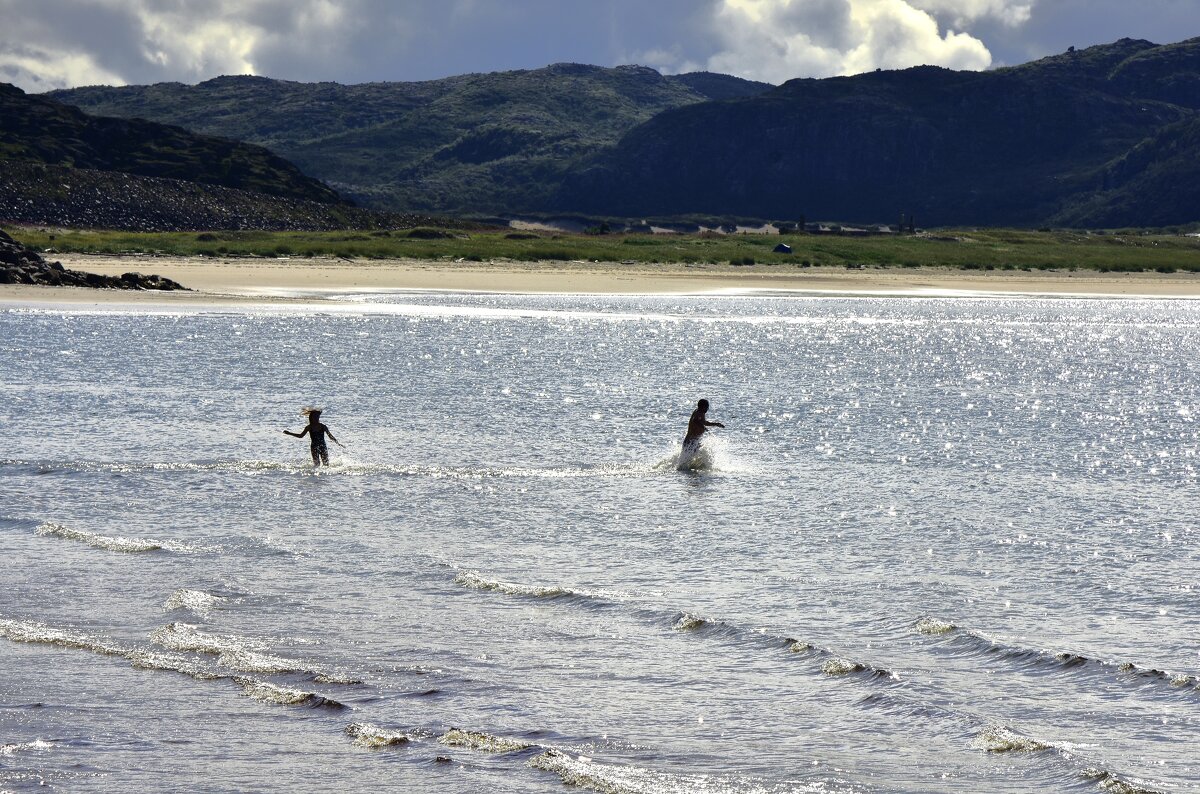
(281, 282)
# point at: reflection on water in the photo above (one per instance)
(942, 545)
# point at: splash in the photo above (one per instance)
(195, 601)
(934, 626)
(21, 747)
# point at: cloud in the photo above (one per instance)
(777, 40)
(57, 43)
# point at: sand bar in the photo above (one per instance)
(283, 281)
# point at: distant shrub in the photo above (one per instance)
(203, 237)
(1164, 269)
(283, 250)
(424, 233)
(381, 233)
(744, 261)
(522, 236)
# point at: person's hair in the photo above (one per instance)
(702, 404)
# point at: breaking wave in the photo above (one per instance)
(483, 742)
(371, 736)
(267, 692)
(129, 545)
(582, 772)
(40, 633)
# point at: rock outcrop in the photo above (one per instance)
(22, 265)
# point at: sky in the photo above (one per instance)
(47, 44)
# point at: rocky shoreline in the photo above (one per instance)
(20, 264)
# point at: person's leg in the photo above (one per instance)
(324, 450)
(316, 456)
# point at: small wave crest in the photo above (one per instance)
(373, 737)
(979, 643)
(483, 742)
(128, 545)
(475, 581)
(179, 636)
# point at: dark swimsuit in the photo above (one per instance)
(317, 439)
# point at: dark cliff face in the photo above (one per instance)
(34, 129)
(1012, 146)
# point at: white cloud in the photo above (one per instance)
(777, 40)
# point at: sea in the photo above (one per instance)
(942, 544)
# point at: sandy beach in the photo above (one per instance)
(240, 281)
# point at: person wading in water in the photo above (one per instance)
(697, 427)
(316, 432)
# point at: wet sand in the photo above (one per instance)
(275, 281)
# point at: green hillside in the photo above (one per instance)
(34, 129)
(473, 143)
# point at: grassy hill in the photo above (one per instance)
(475, 143)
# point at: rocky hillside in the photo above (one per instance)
(34, 129)
(474, 143)
(76, 197)
(1095, 137)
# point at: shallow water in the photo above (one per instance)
(944, 545)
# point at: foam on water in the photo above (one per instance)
(21, 747)
(475, 581)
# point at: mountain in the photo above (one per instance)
(1102, 136)
(474, 143)
(34, 129)
(60, 166)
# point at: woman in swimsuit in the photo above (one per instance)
(316, 432)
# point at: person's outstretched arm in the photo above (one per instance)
(301, 434)
(329, 433)
(714, 424)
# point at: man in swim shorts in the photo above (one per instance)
(316, 433)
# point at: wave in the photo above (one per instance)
(582, 772)
(979, 643)
(1002, 739)
(240, 654)
(40, 633)
(129, 545)
(195, 601)
(371, 736)
(267, 692)
(483, 742)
